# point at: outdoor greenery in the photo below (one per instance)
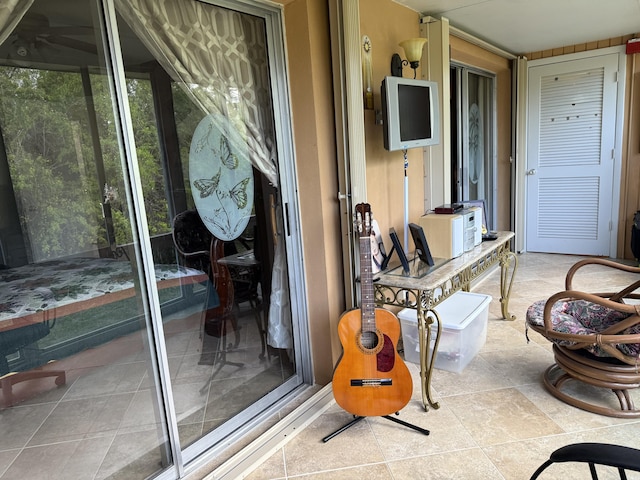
(57, 159)
(68, 175)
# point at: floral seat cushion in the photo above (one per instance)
(583, 318)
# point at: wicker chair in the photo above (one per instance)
(596, 340)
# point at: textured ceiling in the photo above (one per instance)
(521, 26)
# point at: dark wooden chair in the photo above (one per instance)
(621, 458)
(232, 283)
(596, 339)
(192, 240)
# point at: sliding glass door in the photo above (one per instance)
(146, 277)
(473, 138)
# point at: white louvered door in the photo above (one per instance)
(570, 158)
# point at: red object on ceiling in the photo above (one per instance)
(633, 46)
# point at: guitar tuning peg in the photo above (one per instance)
(357, 221)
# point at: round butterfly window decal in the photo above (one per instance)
(221, 179)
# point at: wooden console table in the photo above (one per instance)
(425, 287)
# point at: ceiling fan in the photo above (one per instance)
(34, 36)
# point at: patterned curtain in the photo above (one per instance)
(218, 56)
(11, 12)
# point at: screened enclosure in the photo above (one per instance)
(147, 277)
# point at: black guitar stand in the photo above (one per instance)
(356, 419)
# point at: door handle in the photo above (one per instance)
(532, 171)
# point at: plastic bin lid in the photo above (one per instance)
(457, 311)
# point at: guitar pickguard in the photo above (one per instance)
(386, 357)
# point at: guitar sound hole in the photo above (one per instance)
(369, 340)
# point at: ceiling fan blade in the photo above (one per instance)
(72, 43)
(68, 30)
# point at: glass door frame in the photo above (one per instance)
(460, 123)
(204, 449)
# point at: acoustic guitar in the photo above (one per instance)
(370, 378)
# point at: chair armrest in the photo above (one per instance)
(597, 261)
(185, 254)
(627, 292)
(192, 254)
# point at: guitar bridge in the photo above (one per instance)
(371, 382)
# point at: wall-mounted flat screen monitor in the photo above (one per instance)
(410, 113)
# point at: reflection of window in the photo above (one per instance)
(44, 125)
(56, 134)
(149, 156)
(66, 173)
(77, 190)
(472, 133)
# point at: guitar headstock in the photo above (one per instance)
(363, 219)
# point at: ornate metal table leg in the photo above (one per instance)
(508, 260)
(427, 357)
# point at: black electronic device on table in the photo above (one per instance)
(422, 247)
(398, 248)
(489, 236)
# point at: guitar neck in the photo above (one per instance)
(367, 304)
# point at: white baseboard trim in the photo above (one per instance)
(254, 454)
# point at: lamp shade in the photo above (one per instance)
(413, 48)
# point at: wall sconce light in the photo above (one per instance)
(413, 52)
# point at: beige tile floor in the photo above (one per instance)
(102, 425)
(495, 419)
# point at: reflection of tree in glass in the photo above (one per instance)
(59, 168)
(43, 118)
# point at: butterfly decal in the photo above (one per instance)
(227, 158)
(221, 176)
(239, 193)
(204, 140)
(207, 186)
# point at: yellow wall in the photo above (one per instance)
(309, 59)
(385, 170)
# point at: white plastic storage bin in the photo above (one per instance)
(464, 318)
